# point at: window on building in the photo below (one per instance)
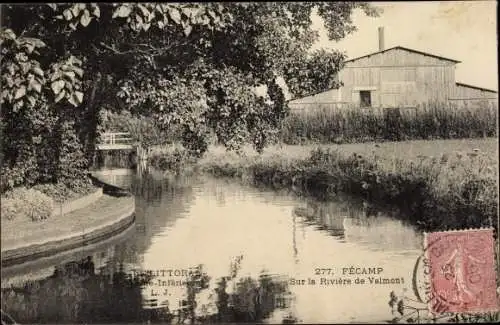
(365, 98)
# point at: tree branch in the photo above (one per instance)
(148, 49)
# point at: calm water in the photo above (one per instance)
(221, 251)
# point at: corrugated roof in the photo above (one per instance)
(475, 87)
(406, 49)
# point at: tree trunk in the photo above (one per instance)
(91, 116)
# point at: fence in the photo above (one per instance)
(116, 138)
(67, 207)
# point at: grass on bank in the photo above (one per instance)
(441, 184)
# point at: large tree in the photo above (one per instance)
(192, 65)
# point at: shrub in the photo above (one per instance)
(26, 203)
(59, 192)
(66, 191)
(174, 159)
(71, 160)
(11, 177)
(81, 186)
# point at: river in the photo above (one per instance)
(243, 254)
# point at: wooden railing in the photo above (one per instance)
(116, 138)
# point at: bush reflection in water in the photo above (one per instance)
(76, 293)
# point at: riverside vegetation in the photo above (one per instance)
(428, 121)
(444, 191)
(440, 184)
(437, 181)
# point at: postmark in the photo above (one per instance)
(460, 269)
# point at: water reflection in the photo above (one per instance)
(351, 221)
(160, 201)
(104, 254)
(381, 233)
(75, 293)
(243, 246)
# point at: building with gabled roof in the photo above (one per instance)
(398, 77)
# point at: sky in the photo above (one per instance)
(460, 30)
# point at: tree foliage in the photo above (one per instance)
(193, 65)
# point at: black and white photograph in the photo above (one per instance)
(249, 162)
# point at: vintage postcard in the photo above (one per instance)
(249, 162)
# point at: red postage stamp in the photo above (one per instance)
(462, 271)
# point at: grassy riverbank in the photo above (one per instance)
(443, 184)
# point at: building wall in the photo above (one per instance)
(328, 100)
(465, 96)
(324, 97)
(356, 79)
(398, 78)
(465, 92)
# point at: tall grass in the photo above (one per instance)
(429, 121)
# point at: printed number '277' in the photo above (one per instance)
(319, 271)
